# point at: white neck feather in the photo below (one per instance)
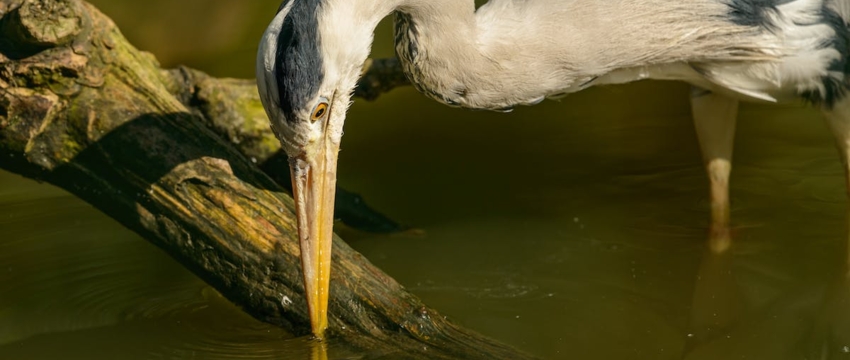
(518, 52)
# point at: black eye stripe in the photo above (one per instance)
(285, 40)
(298, 69)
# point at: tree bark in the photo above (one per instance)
(174, 155)
(231, 108)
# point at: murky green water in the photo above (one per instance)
(571, 230)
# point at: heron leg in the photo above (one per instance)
(714, 119)
(838, 119)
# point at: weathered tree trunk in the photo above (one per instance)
(172, 155)
(231, 108)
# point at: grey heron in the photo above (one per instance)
(519, 52)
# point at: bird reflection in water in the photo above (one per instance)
(731, 318)
(318, 350)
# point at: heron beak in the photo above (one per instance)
(314, 188)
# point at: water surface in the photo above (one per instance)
(573, 229)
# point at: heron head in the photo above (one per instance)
(305, 77)
(308, 63)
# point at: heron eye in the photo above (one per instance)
(320, 111)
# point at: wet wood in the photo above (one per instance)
(174, 155)
(231, 109)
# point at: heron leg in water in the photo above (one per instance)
(714, 120)
(838, 119)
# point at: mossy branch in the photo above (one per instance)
(173, 155)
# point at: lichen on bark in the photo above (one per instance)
(175, 156)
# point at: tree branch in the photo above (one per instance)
(232, 109)
(84, 110)
(380, 76)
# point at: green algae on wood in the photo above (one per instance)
(86, 111)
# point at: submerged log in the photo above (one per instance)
(173, 155)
